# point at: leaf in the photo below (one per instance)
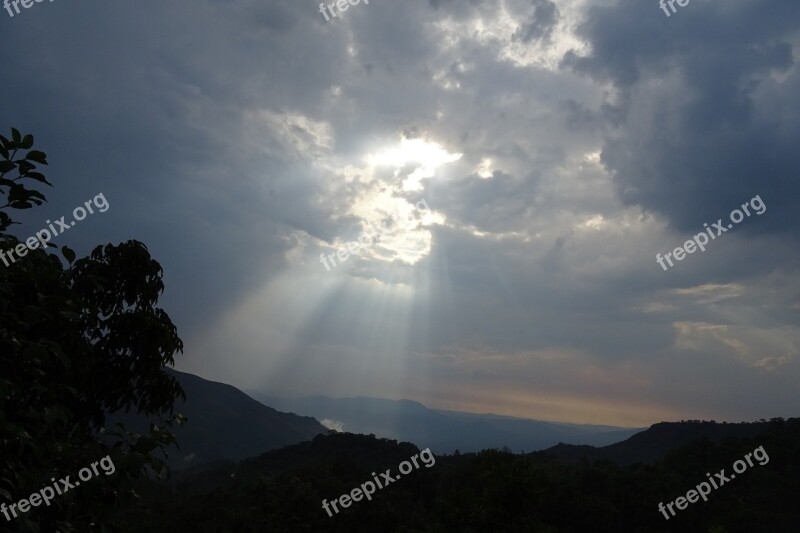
(69, 255)
(7, 166)
(25, 167)
(37, 194)
(38, 156)
(38, 177)
(19, 195)
(5, 221)
(26, 142)
(16, 136)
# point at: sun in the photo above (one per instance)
(426, 154)
(403, 225)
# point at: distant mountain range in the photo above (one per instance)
(225, 424)
(655, 442)
(442, 431)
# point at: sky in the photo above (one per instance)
(458, 202)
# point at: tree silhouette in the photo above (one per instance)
(78, 340)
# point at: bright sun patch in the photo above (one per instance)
(401, 226)
(428, 155)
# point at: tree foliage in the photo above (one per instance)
(79, 339)
(493, 491)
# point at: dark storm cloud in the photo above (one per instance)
(231, 137)
(148, 107)
(704, 103)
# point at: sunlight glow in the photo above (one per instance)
(427, 155)
(400, 226)
(484, 169)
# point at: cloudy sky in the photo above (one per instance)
(512, 167)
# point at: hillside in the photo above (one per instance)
(491, 491)
(656, 441)
(225, 424)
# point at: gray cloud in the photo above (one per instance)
(234, 138)
(704, 95)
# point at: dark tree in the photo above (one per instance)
(78, 340)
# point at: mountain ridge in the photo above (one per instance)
(441, 430)
(224, 424)
(657, 440)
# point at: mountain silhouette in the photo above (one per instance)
(656, 441)
(443, 431)
(225, 424)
